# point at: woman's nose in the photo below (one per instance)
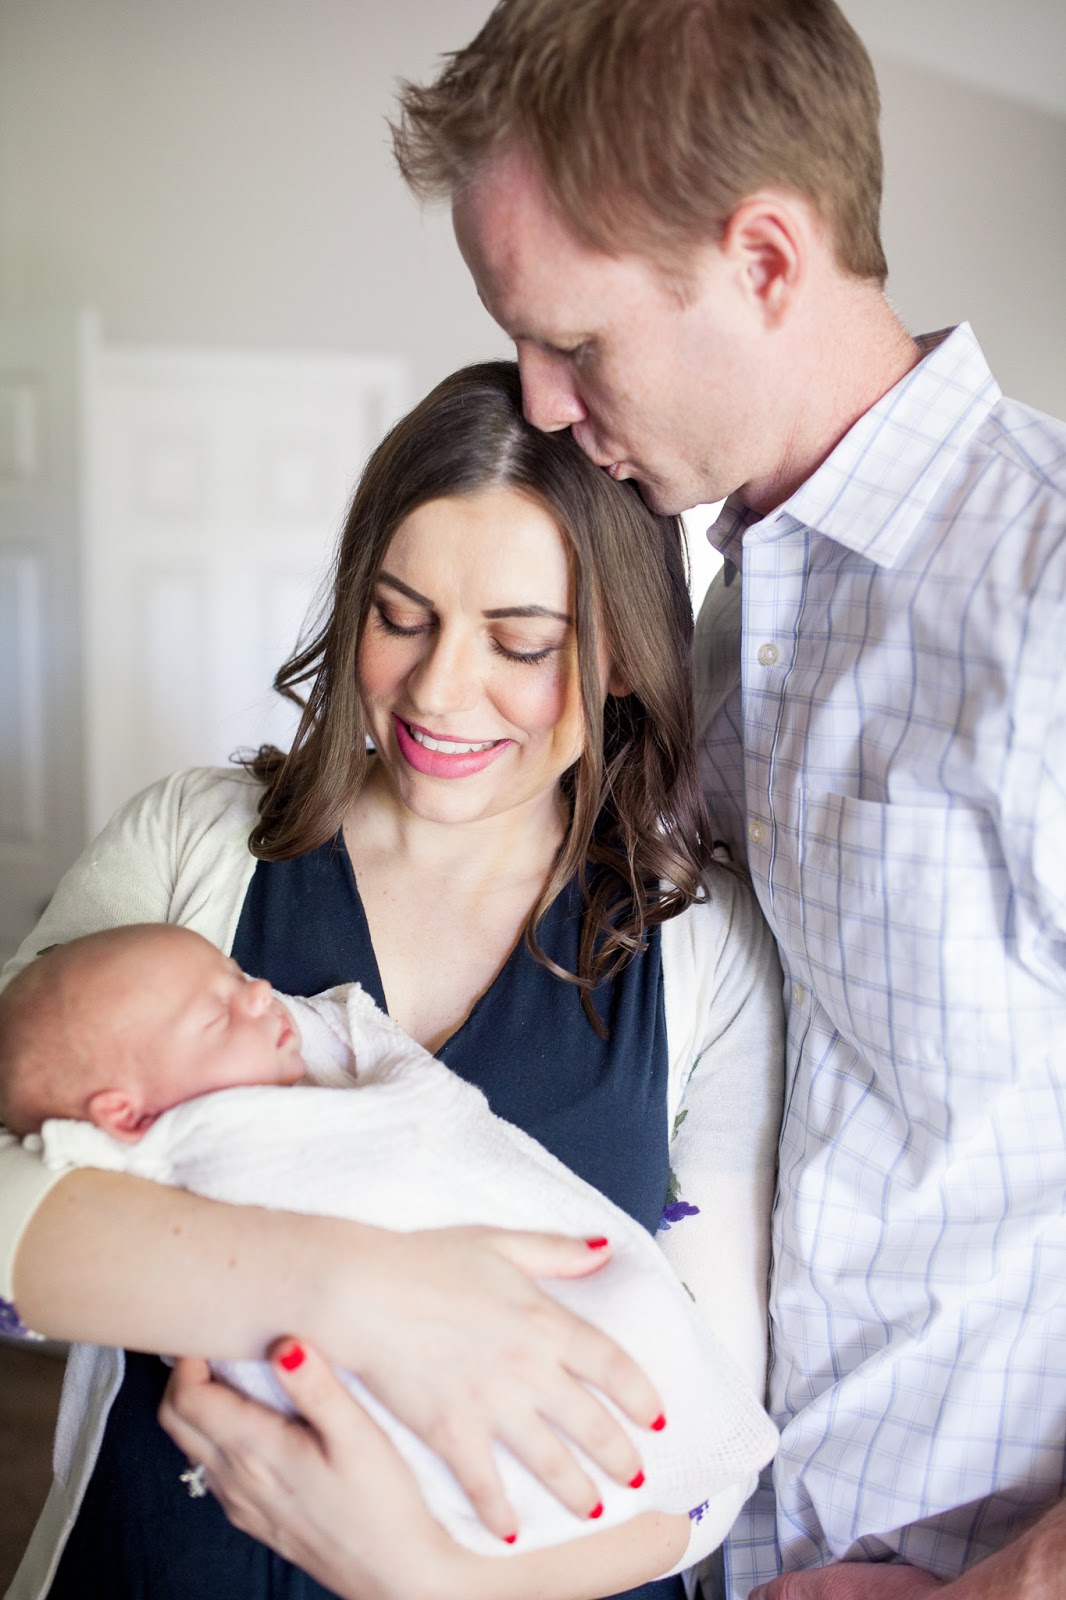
(446, 677)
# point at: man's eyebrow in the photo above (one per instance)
(527, 611)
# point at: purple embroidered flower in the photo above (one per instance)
(696, 1514)
(674, 1213)
(11, 1323)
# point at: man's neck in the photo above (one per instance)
(842, 368)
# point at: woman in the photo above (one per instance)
(517, 875)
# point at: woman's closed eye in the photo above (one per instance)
(531, 656)
(403, 626)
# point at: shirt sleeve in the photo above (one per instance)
(124, 876)
(724, 997)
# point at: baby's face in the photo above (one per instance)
(205, 1026)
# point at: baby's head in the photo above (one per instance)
(119, 1026)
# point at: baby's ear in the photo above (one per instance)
(118, 1112)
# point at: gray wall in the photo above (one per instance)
(217, 172)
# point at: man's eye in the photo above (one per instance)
(577, 354)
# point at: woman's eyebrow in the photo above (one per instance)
(527, 611)
(404, 588)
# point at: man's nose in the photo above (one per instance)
(550, 400)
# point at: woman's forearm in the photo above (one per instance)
(583, 1569)
(110, 1259)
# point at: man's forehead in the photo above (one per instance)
(534, 277)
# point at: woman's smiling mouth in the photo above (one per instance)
(445, 743)
(436, 756)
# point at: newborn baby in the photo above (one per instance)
(125, 1035)
(115, 1028)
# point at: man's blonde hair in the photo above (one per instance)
(651, 120)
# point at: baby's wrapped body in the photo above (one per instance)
(413, 1146)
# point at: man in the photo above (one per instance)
(672, 206)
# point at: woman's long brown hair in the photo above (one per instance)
(638, 841)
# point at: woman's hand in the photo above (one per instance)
(336, 1500)
(459, 1342)
(330, 1493)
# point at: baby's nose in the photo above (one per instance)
(257, 996)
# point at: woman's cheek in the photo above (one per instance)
(551, 707)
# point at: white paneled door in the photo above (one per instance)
(166, 520)
(42, 812)
(220, 484)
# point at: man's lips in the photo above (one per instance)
(438, 757)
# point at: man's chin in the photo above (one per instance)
(661, 499)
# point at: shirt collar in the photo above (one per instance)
(875, 487)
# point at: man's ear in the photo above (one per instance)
(768, 238)
(118, 1112)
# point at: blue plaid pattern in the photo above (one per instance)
(883, 736)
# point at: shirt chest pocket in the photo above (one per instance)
(902, 916)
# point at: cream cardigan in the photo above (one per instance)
(178, 852)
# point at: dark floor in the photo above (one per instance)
(30, 1378)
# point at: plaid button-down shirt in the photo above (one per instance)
(883, 735)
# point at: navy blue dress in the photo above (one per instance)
(598, 1105)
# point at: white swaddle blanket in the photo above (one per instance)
(413, 1146)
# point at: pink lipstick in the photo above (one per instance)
(462, 762)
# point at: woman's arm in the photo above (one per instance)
(330, 1493)
(448, 1328)
(722, 981)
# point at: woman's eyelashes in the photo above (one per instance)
(400, 630)
(529, 655)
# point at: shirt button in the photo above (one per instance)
(768, 655)
(799, 994)
(756, 831)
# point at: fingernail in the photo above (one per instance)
(659, 1424)
(635, 1483)
(596, 1244)
(294, 1357)
(509, 1538)
(597, 1511)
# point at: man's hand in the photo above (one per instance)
(853, 1581)
(1031, 1567)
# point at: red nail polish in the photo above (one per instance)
(659, 1424)
(294, 1357)
(635, 1483)
(597, 1511)
(509, 1538)
(596, 1244)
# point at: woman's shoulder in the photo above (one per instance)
(726, 923)
(191, 801)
